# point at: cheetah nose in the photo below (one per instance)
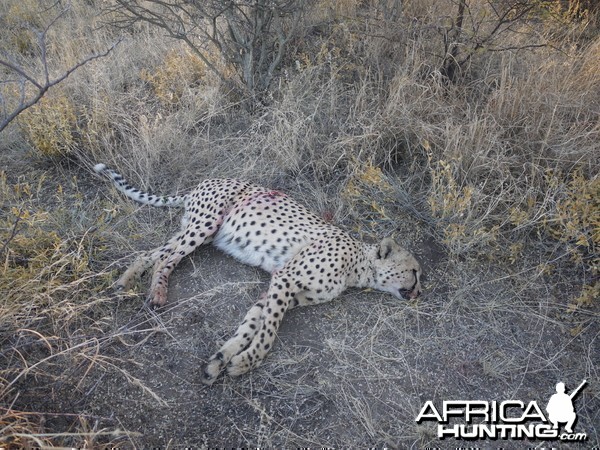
(414, 294)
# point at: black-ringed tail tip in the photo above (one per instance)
(135, 194)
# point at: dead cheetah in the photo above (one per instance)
(311, 261)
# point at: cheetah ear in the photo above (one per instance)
(387, 247)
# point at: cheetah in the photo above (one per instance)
(310, 260)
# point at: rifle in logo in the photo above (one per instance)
(560, 407)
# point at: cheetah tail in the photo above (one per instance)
(135, 194)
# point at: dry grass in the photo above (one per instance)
(54, 330)
(492, 181)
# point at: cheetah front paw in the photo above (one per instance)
(213, 369)
(158, 296)
(239, 365)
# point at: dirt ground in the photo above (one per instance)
(351, 373)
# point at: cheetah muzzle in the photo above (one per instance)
(311, 260)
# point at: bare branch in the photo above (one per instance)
(42, 87)
(252, 36)
(460, 46)
(13, 232)
(21, 72)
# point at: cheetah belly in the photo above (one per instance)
(269, 250)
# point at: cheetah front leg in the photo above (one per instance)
(256, 350)
(290, 287)
(259, 345)
(254, 337)
(294, 285)
(240, 340)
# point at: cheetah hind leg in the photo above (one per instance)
(240, 340)
(135, 270)
(164, 266)
(141, 264)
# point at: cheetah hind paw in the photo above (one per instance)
(123, 283)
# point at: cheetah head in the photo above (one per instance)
(396, 271)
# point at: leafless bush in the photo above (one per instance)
(480, 28)
(29, 85)
(251, 35)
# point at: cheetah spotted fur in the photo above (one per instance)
(311, 260)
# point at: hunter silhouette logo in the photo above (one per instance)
(508, 419)
(560, 407)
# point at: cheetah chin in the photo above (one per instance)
(311, 260)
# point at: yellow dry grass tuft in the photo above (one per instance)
(179, 71)
(50, 126)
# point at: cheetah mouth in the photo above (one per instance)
(408, 294)
(413, 292)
